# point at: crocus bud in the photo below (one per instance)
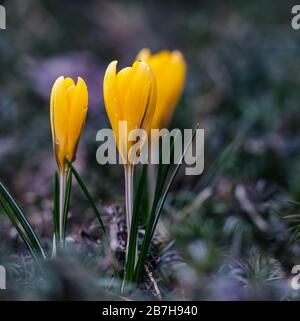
(68, 108)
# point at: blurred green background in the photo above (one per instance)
(233, 237)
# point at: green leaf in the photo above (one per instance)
(131, 257)
(143, 194)
(17, 216)
(170, 182)
(158, 203)
(163, 170)
(21, 233)
(86, 193)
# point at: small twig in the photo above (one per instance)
(197, 202)
(113, 233)
(248, 207)
(154, 283)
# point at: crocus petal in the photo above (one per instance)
(68, 82)
(138, 95)
(169, 69)
(59, 119)
(123, 80)
(78, 109)
(129, 95)
(110, 94)
(144, 54)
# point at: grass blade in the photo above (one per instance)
(144, 202)
(17, 216)
(170, 182)
(156, 210)
(21, 233)
(131, 258)
(87, 194)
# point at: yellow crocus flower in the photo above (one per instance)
(169, 69)
(68, 108)
(129, 95)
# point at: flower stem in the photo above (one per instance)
(128, 199)
(128, 170)
(54, 250)
(62, 189)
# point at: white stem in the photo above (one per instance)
(54, 250)
(128, 199)
(62, 187)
